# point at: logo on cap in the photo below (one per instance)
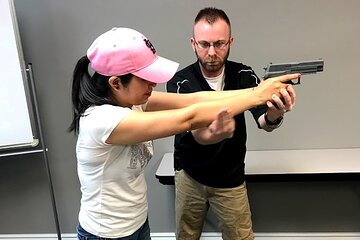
(149, 45)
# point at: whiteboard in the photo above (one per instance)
(15, 121)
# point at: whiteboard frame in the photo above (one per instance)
(29, 139)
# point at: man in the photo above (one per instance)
(209, 162)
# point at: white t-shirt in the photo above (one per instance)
(113, 186)
(217, 83)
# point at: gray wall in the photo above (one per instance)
(56, 33)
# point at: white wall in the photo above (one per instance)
(56, 33)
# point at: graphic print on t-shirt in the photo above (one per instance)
(140, 154)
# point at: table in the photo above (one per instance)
(287, 165)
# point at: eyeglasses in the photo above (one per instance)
(217, 45)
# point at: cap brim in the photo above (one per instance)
(160, 71)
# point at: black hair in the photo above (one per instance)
(211, 14)
(89, 90)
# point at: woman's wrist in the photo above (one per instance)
(259, 97)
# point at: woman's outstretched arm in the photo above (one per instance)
(192, 112)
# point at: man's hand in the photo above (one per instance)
(221, 128)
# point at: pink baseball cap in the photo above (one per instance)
(120, 51)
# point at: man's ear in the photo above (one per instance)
(192, 42)
(114, 82)
(231, 40)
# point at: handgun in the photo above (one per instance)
(306, 67)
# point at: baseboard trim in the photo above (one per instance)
(205, 236)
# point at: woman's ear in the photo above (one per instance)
(114, 82)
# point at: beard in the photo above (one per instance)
(212, 63)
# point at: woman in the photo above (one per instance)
(117, 115)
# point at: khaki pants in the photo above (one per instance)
(230, 205)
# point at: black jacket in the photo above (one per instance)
(222, 164)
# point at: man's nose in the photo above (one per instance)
(211, 50)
